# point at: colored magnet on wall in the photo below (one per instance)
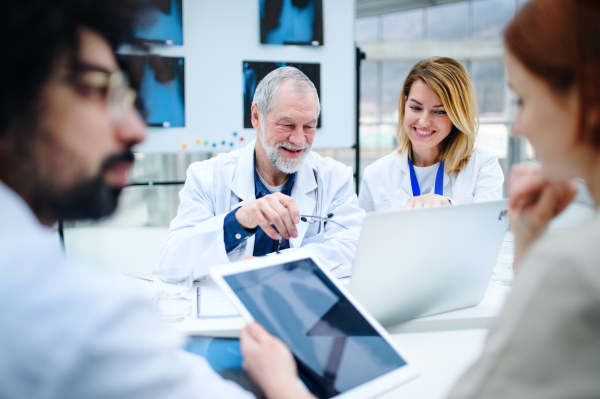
(198, 141)
(234, 134)
(184, 145)
(205, 142)
(241, 139)
(214, 144)
(231, 144)
(223, 142)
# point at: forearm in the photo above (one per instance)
(200, 246)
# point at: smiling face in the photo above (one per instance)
(425, 120)
(548, 120)
(287, 134)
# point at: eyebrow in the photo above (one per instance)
(435, 106)
(288, 119)
(84, 67)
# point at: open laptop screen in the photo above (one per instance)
(335, 347)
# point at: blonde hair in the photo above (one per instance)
(450, 81)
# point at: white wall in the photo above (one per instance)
(218, 36)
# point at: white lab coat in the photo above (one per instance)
(72, 332)
(386, 183)
(215, 187)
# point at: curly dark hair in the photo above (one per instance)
(38, 32)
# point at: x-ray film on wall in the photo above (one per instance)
(296, 22)
(254, 71)
(160, 84)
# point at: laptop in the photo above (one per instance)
(341, 351)
(420, 262)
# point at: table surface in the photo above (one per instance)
(441, 358)
(474, 317)
(441, 346)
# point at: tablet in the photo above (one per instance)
(341, 351)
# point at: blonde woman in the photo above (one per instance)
(436, 162)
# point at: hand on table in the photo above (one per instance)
(426, 201)
(274, 209)
(534, 201)
(270, 363)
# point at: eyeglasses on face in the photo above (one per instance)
(114, 87)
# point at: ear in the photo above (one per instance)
(254, 117)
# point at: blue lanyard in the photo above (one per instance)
(439, 180)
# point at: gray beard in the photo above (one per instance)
(283, 164)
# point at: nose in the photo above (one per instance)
(297, 137)
(516, 127)
(131, 129)
(424, 119)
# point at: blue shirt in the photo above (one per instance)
(263, 244)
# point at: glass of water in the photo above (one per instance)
(173, 292)
(504, 272)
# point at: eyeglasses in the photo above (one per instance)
(313, 219)
(308, 219)
(113, 86)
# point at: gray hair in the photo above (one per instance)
(266, 90)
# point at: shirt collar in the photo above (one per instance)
(261, 190)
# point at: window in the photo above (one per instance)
(448, 21)
(406, 25)
(393, 75)
(369, 87)
(490, 17)
(366, 29)
(488, 79)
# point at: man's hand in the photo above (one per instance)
(270, 364)
(274, 209)
(534, 201)
(426, 201)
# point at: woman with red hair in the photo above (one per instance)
(546, 341)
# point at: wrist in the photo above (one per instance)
(289, 390)
(243, 220)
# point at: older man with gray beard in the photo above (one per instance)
(275, 194)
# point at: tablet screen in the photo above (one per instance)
(335, 347)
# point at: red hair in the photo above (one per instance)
(559, 42)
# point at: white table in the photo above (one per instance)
(441, 347)
(474, 317)
(441, 358)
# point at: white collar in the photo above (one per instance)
(243, 177)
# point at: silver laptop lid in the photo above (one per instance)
(420, 262)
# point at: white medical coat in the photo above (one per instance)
(386, 183)
(72, 332)
(217, 186)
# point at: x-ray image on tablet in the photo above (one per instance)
(162, 24)
(160, 84)
(225, 357)
(298, 22)
(255, 71)
(337, 349)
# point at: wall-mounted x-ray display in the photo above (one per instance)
(160, 84)
(254, 71)
(162, 24)
(298, 22)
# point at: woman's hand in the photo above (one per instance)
(534, 201)
(270, 364)
(426, 201)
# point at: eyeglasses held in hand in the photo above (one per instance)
(308, 219)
